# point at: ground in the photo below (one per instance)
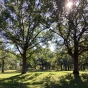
(60, 79)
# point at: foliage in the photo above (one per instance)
(29, 26)
(72, 26)
(26, 25)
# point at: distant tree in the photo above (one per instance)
(43, 59)
(63, 60)
(83, 62)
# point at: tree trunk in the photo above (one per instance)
(76, 70)
(68, 68)
(61, 67)
(65, 67)
(24, 65)
(2, 65)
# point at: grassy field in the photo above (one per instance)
(60, 79)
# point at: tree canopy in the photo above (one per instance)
(29, 24)
(72, 27)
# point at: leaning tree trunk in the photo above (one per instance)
(76, 70)
(24, 64)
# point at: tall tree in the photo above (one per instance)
(71, 25)
(25, 23)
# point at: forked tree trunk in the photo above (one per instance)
(76, 70)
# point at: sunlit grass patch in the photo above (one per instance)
(60, 79)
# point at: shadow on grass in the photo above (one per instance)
(19, 81)
(31, 80)
(67, 81)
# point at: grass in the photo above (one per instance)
(61, 79)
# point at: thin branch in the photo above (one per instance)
(81, 33)
(19, 50)
(83, 50)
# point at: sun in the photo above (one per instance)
(52, 48)
(69, 4)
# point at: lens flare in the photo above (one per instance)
(69, 4)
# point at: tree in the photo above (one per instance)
(2, 55)
(83, 62)
(25, 24)
(43, 59)
(72, 27)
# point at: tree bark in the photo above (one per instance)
(24, 65)
(76, 70)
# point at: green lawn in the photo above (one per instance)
(60, 79)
